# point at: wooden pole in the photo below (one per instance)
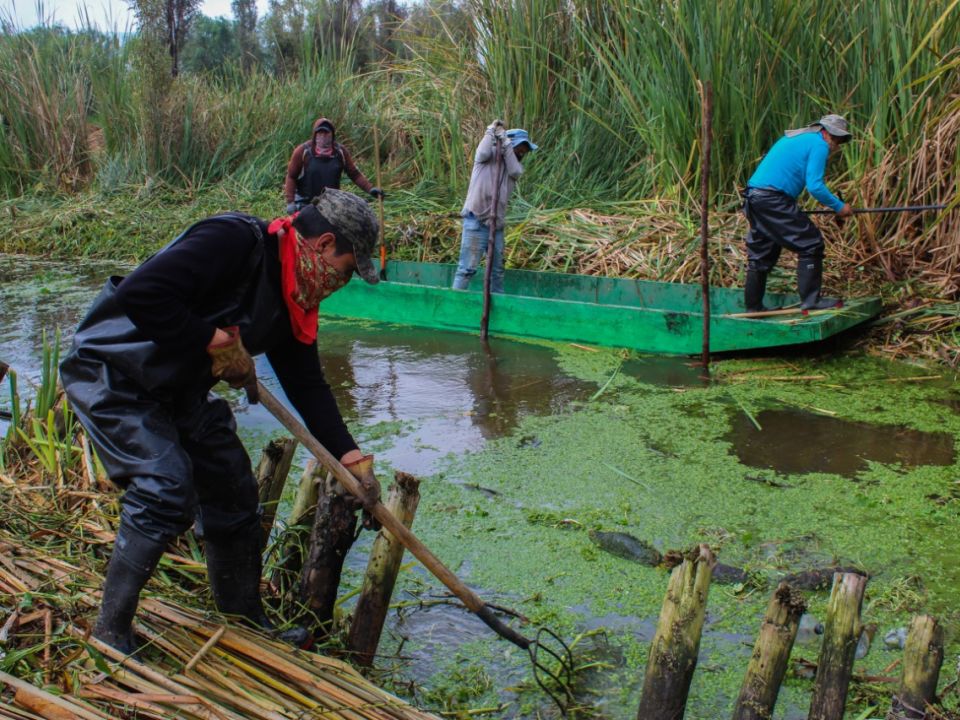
(383, 245)
(411, 542)
(706, 92)
(771, 655)
(673, 653)
(382, 568)
(272, 473)
(922, 658)
(840, 638)
(491, 242)
(331, 537)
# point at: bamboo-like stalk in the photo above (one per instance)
(771, 654)
(381, 574)
(922, 659)
(39, 698)
(676, 644)
(207, 647)
(841, 634)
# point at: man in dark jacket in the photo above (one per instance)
(319, 163)
(152, 346)
(796, 161)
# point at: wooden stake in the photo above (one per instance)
(331, 537)
(272, 473)
(706, 93)
(840, 637)
(922, 658)
(771, 655)
(673, 654)
(382, 568)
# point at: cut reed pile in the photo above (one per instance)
(54, 535)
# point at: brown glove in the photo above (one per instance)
(231, 363)
(362, 470)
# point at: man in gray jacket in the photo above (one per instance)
(478, 210)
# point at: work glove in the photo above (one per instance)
(231, 363)
(291, 208)
(498, 129)
(362, 470)
(378, 193)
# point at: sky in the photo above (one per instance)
(106, 14)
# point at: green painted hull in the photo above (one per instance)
(655, 317)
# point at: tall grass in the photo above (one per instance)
(608, 88)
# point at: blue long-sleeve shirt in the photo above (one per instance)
(794, 163)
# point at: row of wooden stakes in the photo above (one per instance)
(310, 568)
(321, 530)
(673, 654)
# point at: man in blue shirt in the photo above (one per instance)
(796, 160)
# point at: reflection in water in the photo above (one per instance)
(38, 296)
(796, 442)
(666, 371)
(439, 392)
(412, 394)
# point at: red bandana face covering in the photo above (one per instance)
(306, 278)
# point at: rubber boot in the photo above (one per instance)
(234, 567)
(809, 279)
(753, 290)
(134, 559)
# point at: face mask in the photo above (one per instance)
(316, 279)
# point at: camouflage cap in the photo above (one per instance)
(353, 220)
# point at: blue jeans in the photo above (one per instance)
(473, 246)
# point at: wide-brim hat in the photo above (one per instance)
(519, 135)
(836, 125)
(348, 217)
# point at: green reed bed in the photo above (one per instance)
(609, 90)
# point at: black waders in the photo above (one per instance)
(234, 567)
(134, 559)
(754, 289)
(809, 279)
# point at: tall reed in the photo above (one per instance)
(608, 89)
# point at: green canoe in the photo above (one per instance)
(655, 317)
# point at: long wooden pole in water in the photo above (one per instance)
(491, 242)
(707, 132)
(383, 244)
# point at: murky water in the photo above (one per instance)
(797, 442)
(426, 401)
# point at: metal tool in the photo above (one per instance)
(545, 641)
(892, 209)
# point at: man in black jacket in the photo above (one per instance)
(152, 346)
